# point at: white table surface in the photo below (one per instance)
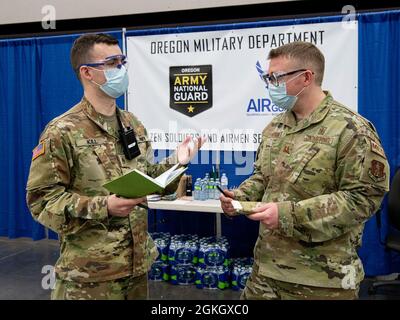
(187, 204)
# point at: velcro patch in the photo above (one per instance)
(90, 142)
(38, 151)
(377, 149)
(319, 139)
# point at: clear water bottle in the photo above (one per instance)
(204, 190)
(211, 187)
(197, 189)
(201, 190)
(216, 191)
(206, 181)
(224, 182)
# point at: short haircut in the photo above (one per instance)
(305, 55)
(80, 51)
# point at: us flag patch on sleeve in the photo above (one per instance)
(38, 151)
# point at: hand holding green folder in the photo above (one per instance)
(136, 184)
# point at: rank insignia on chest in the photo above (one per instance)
(377, 171)
(38, 151)
(286, 149)
(322, 131)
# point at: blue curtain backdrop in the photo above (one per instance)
(37, 84)
(378, 101)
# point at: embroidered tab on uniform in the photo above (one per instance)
(38, 151)
(319, 139)
(90, 142)
(377, 149)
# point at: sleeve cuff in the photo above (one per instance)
(285, 213)
(247, 207)
(239, 195)
(97, 209)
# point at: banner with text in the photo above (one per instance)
(206, 83)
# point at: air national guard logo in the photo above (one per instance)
(190, 89)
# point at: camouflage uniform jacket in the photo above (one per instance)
(328, 175)
(77, 155)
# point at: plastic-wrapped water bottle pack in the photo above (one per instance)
(183, 249)
(160, 271)
(241, 269)
(162, 241)
(216, 277)
(213, 252)
(187, 259)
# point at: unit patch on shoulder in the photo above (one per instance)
(377, 171)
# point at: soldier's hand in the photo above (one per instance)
(226, 202)
(121, 207)
(266, 213)
(188, 148)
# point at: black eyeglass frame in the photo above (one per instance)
(275, 77)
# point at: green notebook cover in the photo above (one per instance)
(136, 184)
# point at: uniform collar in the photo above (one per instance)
(97, 118)
(289, 120)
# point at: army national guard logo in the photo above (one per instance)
(190, 89)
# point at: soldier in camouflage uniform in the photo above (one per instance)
(105, 248)
(320, 173)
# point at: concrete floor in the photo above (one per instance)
(23, 274)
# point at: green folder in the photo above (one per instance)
(136, 184)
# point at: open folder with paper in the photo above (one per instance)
(136, 184)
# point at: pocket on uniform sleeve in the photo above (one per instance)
(42, 172)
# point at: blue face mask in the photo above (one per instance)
(280, 98)
(117, 82)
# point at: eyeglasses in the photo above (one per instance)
(275, 77)
(116, 61)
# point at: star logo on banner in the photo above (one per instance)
(190, 109)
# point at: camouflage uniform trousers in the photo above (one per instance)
(259, 287)
(128, 288)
